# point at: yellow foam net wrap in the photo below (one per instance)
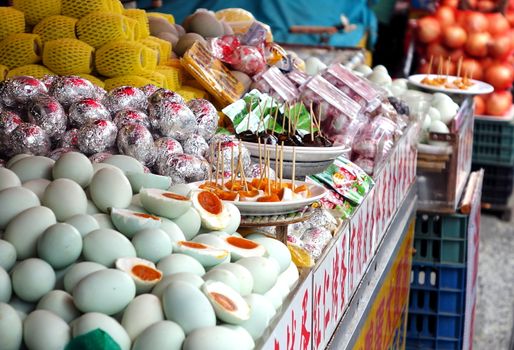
(115, 6)
(20, 49)
(68, 56)
(172, 76)
(98, 28)
(92, 79)
(189, 92)
(34, 70)
(13, 21)
(156, 78)
(3, 72)
(56, 27)
(80, 8)
(126, 80)
(36, 10)
(163, 47)
(133, 28)
(142, 18)
(124, 58)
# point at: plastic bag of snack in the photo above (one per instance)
(274, 83)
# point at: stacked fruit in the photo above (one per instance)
(484, 44)
(97, 40)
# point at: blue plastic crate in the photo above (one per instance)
(448, 302)
(451, 302)
(441, 226)
(438, 276)
(449, 326)
(432, 344)
(420, 325)
(450, 344)
(421, 300)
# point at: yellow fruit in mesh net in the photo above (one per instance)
(133, 28)
(166, 16)
(157, 79)
(126, 80)
(115, 6)
(80, 8)
(99, 28)
(163, 47)
(68, 56)
(34, 70)
(56, 27)
(300, 256)
(3, 72)
(142, 18)
(192, 91)
(234, 15)
(36, 10)
(13, 21)
(20, 49)
(96, 81)
(172, 76)
(125, 58)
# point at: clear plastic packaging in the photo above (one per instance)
(297, 77)
(275, 84)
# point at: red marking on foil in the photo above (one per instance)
(91, 102)
(77, 81)
(128, 91)
(101, 122)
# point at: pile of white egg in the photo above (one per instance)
(104, 245)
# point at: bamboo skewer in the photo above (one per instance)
(440, 68)
(263, 170)
(276, 164)
(312, 121)
(268, 168)
(286, 106)
(249, 113)
(240, 159)
(459, 66)
(275, 120)
(260, 152)
(222, 171)
(430, 65)
(218, 162)
(232, 165)
(281, 163)
(294, 168)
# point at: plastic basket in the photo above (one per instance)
(498, 183)
(493, 142)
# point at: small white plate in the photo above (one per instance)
(277, 208)
(478, 87)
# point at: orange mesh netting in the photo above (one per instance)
(13, 21)
(98, 28)
(68, 56)
(20, 49)
(56, 27)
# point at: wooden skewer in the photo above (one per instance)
(249, 113)
(440, 68)
(265, 162)
(430, 65)
(268, 168)
(275, 120)
(459, 66)
(232, 165)
(260, 152)
(448, 61)
(286, 106)
(277, 156)
(317, 120)
(312, 123)
(240, 158)
(297, 117)
(294, 168)
(281, 163)
(289, 122)
(218, 162)
(222, 171)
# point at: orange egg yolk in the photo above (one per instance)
(210, 202)
(225, 302)
(174, 196)
(146, 216)
(146, 273)
(193, 245)
(241, 243)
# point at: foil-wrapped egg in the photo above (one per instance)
(149, 89)
(70, 89)
(166, 146)
(19, 91)
(172, 119)
(164, 94)
(29, 138)
(69, 139)
(86, 110)
(183, 168)
(206, 117)
(136, 141)
(196, 145)
(8, 122)
(125, 97)
(228, 148)
(47, 113)
(96, 136)
(130, 116)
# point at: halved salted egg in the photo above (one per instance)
(235, 218)
(228, 305)
(243, 248)
(129, 222)
(206, 255)
(143, 272)
(164, 203)
(214, 214)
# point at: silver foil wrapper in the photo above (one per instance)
(149, 89)
(70, 89)
(166, 146)
(136, 141)
(100, 93)
(29, 138)
(87, 110)
(172, 119)
(97, 136)
(125, 97)
(315, 240)
(9, 121)
(319, 218)
(47, 112)
(196, 145)
(168, 95)
(183, 168)
(69, 139)
(19, 91)
(58, 152)
(48, 80)
(131, 116)
(228, 145)
(99, 157)
(206, 117)
(256, 170)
